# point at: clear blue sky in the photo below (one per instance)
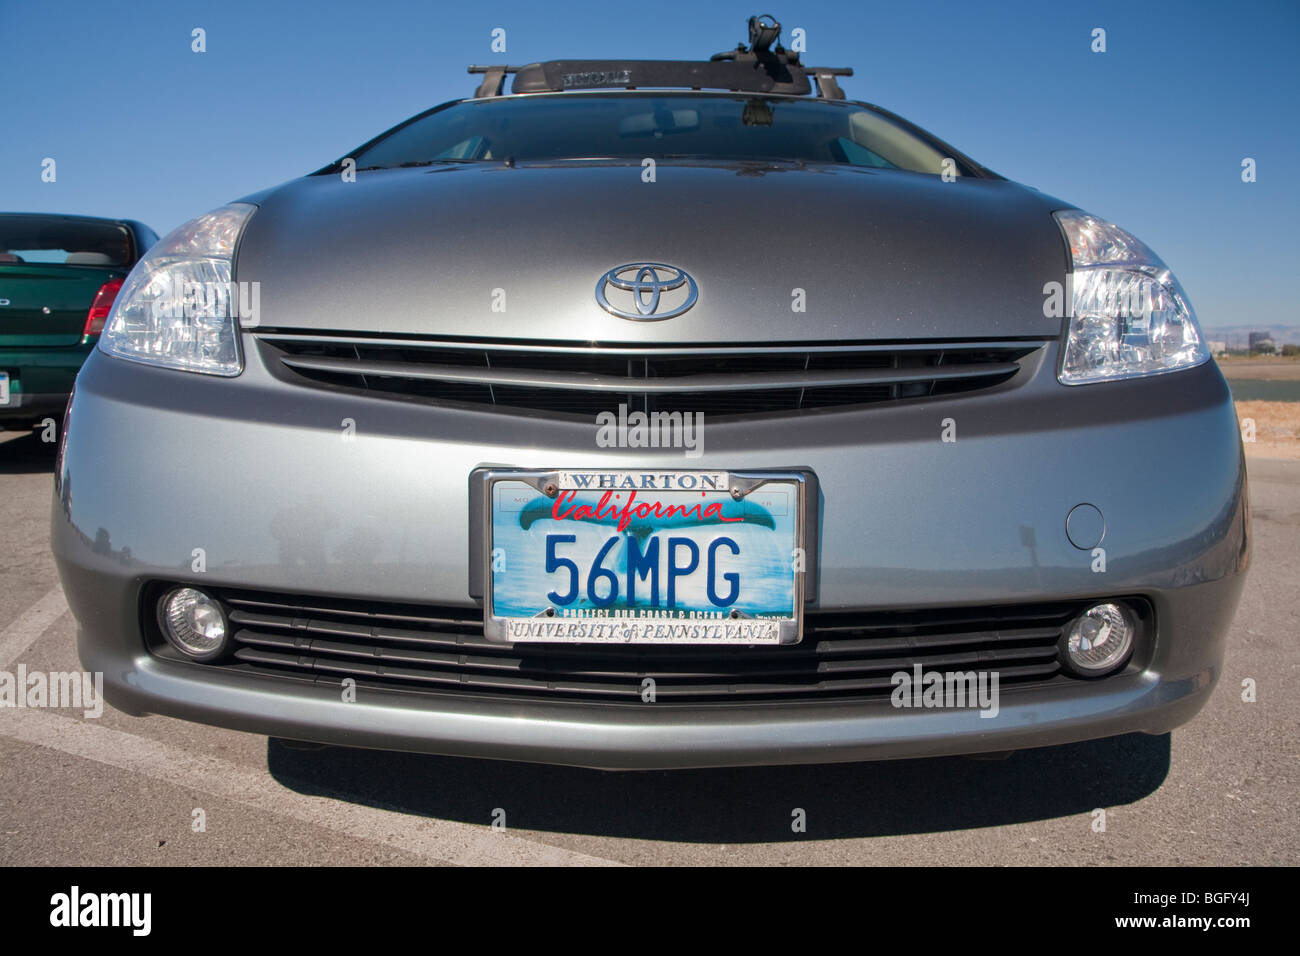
(1150, 134)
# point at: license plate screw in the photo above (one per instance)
(550, 489)
(737, 493)
(550, 612)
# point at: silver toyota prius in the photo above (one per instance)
(654, 414)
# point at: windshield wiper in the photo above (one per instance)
(420, 162)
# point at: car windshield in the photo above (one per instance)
(658, 126)
(59, 241)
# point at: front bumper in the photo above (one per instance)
(263, 485)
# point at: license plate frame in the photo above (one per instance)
(763, 630)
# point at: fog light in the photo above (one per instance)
(1099, 640)
(193, 623)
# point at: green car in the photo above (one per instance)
(59, 276)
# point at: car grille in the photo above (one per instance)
(579, 380)
(844, 654)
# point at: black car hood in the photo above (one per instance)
(495, 251)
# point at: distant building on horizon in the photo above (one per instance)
(1262, 342)
(1237, 337)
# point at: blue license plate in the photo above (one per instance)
(631, 557)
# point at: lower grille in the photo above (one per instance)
(843, 655)
(584, 380)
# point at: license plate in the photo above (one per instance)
(632, 557)
(4, 388)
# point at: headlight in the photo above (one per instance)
(177, 308)
(1129, 315)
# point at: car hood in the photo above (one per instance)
(515, 252)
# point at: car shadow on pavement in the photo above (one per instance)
(23, 453)
(740, 805)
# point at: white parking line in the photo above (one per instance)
(435, 840)
(463, 844)
(23, 631)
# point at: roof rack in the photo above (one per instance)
(759, 67)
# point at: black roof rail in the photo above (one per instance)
(759, 67)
